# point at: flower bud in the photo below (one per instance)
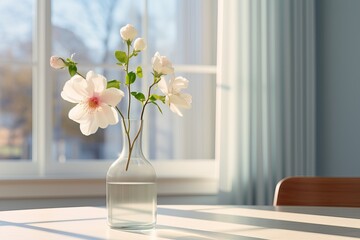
(139, 44)
(57, 62)
(161, 64)
(128, 32)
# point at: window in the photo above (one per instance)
(38, 131)
(16, 68)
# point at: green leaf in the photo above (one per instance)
(139, 72)
(155, 97)
(70, 61)
(72, 70)
(139, 96)
(152, 98)
(121, 56)
(157, 107)
(113, 84)
(130, 78)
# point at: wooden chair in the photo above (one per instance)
(318, 191)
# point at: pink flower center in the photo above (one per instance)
(94, 102)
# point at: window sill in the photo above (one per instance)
(56, 188)
(76, 179)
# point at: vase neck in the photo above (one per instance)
(132, 138)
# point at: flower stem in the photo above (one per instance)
(129, 88)
(148, 98)
(128, 127)
(131, 145)
(127, 132)
(80, 75)
(141, 123)
(129, 101)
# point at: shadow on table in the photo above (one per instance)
(255, 221)
(49, 230)
(177, 233)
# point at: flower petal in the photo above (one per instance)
(79, 113)
(139, 44)
(175, 109)
(177, 84)
(106, 115)
(112, 96)
(187, 97)
(162, 85)
(57, 62)
(167, 68)
(181, 100)
(75, 89)
(156, 62)
(128, 32)
(97, 81)
(89, 127)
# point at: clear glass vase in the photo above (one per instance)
(131, 194)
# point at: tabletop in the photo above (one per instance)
(187, 222)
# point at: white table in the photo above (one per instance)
(187, 222)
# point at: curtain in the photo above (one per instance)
(266, 96)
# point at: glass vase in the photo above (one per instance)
(131, 194)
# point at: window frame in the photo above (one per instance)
(196, 177)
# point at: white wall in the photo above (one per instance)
(338, 87)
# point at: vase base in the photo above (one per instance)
(134, 227)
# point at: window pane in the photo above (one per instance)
(167, 136)
(185, 32)
(15, 112)
(16, 30)
(191, 136)
(91, 28)
(69, 142)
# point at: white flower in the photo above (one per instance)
(139, 44)
(173, 97)
(162, 64)
(57, 62)
(95, 103)
(128, 32)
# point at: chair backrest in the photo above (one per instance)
(318, 191)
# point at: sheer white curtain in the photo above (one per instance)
(266, 92)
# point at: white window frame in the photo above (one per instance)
(43, 177)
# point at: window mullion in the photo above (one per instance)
(42, 88)
(145, 66)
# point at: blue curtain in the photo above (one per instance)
(266, 90)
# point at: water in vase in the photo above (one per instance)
(131, 205)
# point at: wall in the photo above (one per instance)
(338, 87)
